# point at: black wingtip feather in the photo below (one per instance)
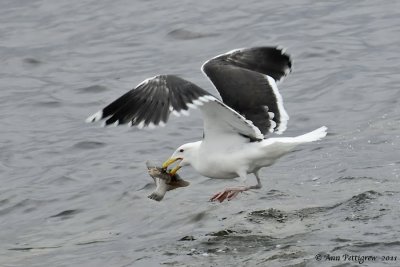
(271, 61)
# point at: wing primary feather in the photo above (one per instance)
(245, 79)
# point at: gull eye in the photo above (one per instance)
(181, 150)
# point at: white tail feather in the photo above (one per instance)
(315, 135)
(277, 147)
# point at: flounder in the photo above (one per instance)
(164, 181)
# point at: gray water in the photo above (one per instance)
(75, 194)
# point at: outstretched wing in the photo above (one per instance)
(152, 101)
(246, 80)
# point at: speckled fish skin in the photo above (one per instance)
(164, 181)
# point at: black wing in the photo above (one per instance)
(246, 80)
(151, 102)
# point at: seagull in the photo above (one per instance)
(234, 142)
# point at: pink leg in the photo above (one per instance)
(231, 192)
(228, 193)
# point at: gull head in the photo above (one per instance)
(184, 155)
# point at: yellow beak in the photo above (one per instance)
(169, 162)
(174, 170)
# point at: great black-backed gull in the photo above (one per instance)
(233, 143)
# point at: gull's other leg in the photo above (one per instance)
(258, 185)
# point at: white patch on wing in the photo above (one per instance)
(95, 117)
(203, 99)
(210, 97)
(287, 70)
(283, 49)
(283, 116)
(181, 112)
(176, 113)
(198, 102)
(141, 125)
(190, 105)
(273, 125)
(271, 115)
